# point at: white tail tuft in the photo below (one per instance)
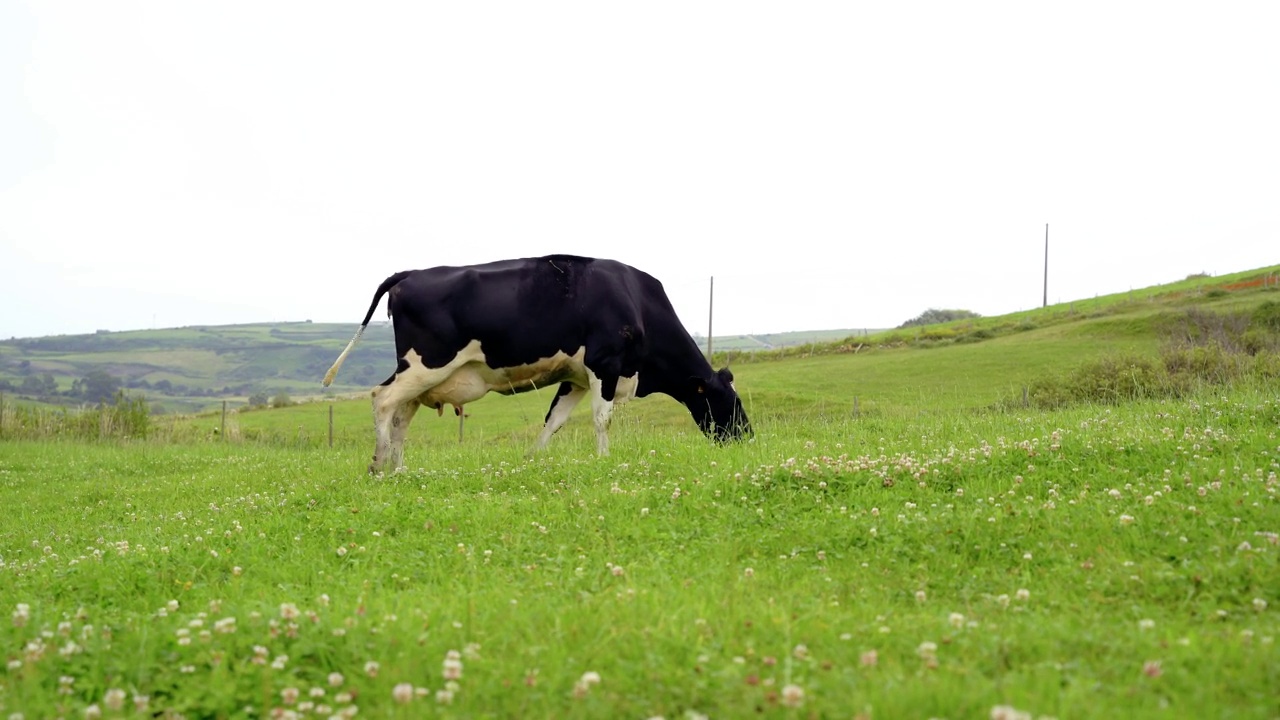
(333, 371)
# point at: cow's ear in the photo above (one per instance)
(726, 375)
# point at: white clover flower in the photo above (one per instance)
(452, 669)
(114, 699)
(1259, 604)
(956, 619)
(1023, 594)
(336, 679)
(402, 693)
(792, 695)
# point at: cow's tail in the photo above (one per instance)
(377, 298)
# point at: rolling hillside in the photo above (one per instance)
(193, 368)
(196, 368)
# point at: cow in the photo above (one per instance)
(585, 326)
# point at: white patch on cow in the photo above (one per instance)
(559, 415)
(395, 403)
(602, 410)
(467, 378)
(475, 379)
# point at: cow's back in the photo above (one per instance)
(519, 310)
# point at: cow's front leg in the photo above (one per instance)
(602, 392)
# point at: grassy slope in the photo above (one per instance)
(888, 381)
(291, 357)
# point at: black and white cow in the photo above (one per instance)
(582, 325)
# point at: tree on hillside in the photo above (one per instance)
(99, 386)
(932, 316)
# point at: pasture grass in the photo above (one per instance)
(1085, 562)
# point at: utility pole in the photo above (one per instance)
(711, 302)
(1046, 265)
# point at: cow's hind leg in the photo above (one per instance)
(400, 420)
(394, 405)
(562, 405)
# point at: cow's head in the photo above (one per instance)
(717, 409)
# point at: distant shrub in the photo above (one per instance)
(1266, 316)
(933, 316)
(977, 335)
(1198, 276)
(258, 399)
(1109, 380)
(281, 400)
(1175, 373)
(1211, 363)
(938, 334)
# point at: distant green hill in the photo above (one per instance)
(194, 368)
(190, 368)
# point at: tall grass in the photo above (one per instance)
(1201, 350)
(125, 417)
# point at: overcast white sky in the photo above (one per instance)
(832, 164)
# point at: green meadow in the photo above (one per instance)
(1066, 516)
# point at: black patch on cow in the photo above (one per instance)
(529, 309)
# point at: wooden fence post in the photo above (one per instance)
(1025, 401)
(856, 412)
(222, 429)
(330, 424)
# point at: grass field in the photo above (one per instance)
(941, 552)
(1092, 562)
